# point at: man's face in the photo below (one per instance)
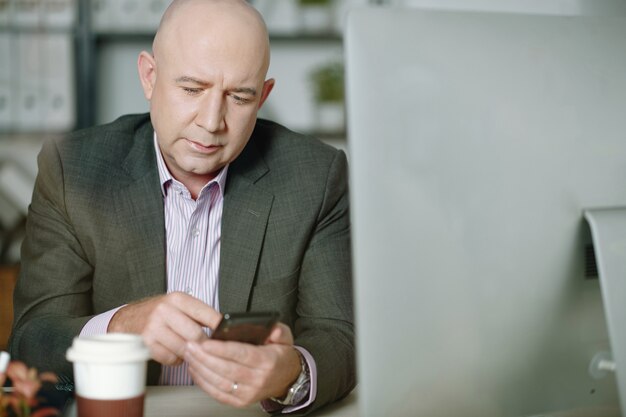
(204, 96)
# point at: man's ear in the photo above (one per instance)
(146, 65)
(267, 88)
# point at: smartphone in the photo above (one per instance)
(249, 327)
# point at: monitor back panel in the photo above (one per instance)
(476, 140)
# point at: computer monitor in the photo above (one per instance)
(476, 142)
(544, 7)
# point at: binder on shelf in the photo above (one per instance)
(6, 84)
(26, 13)
(4, 13)
(59, 13)
(281, 16)
(57, 95)
(101, 15)
(134, 16)
(125, 14)
(27, 70)
(150, 15)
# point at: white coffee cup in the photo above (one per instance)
(4, 361)
(109, 374)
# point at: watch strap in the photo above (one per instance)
(300, 389)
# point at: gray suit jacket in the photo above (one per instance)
(95, 239)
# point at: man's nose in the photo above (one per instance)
(211, 113)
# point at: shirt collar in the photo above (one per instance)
(166, 177)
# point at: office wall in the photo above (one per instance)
(42, 49)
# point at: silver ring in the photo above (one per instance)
(234, 388)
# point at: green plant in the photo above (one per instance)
(328, 83)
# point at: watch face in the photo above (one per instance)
(300, 392)
(300, 389)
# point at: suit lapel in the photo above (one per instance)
(244, 220)
(139, 206)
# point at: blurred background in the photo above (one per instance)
(69, 64)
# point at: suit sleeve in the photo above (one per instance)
(325, 309)
(52, 299)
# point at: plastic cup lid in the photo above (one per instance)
(108, 348)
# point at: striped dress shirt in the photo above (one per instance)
(192, 236)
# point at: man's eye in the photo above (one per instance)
(191, 91)
(239, 99)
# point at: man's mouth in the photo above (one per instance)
(205, 149)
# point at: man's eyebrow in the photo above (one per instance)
(187, 79)
(245, 90)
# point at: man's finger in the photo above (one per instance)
(163, 355)
(199, 311)
(225, 365)
(281, 334)
(236, 352)
(180, 323)
(226, 394)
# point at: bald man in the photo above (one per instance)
(155, 224)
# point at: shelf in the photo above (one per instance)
(306, 37)
(37, 30)
(125, 36)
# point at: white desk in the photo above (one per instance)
(193, 402)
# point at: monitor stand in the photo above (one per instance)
(608, 231)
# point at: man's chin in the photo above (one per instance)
(204, 171)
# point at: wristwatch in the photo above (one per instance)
(300, 389)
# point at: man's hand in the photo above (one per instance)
(257, 372)
(166, 323)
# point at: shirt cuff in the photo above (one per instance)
(98, 324)
(271, 406)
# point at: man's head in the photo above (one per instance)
(205, 82)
